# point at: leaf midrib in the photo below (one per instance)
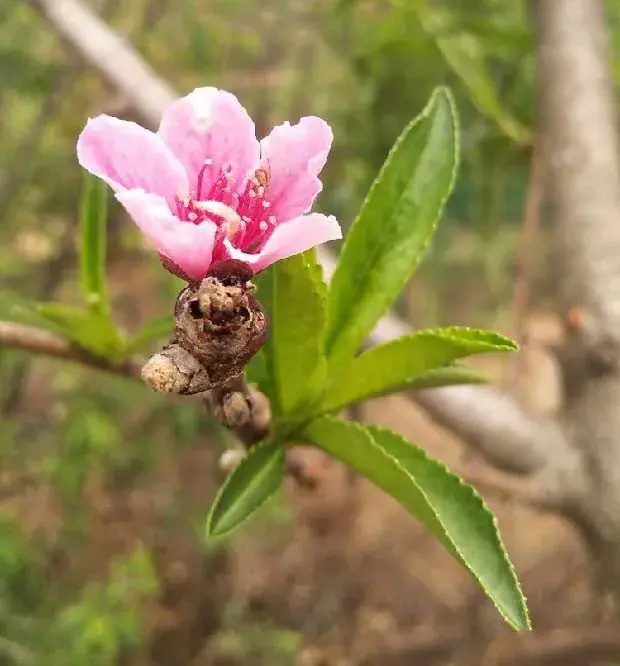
(254, 482)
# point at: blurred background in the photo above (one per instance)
(105, 486)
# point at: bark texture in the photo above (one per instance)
(580, 148)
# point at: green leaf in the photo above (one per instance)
(93, 217)
(156, 329)
(294, 295)
(91, 330)
(449, 508)
(9, 302)
(463, 53)
(16, 308)
(256, 372)
(396, 365)
(394, 226)
(255, 479)
(449, 375)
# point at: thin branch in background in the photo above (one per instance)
(38, 341)
(109, 54)
(525, 249)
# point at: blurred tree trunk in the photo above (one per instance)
(580, 147)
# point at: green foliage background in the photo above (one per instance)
(83, 438)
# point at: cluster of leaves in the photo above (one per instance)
(310, 368)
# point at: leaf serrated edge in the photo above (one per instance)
(476, 336)
(503, 342)
(318, 289)
(406, 384)
(255, 448)
(366, 429)
(483, 505)
(470, 376)
(446, 333)
(456, 152)
(425, 113)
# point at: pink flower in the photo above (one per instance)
(203, 189)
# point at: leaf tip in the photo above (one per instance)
(506, 344)
(248, 486)
(441, 95)
(213, 528)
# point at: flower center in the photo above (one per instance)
(242, 215)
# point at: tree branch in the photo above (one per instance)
(39, 341)
(499, 422)
(110, 55)
(496, 424)
(238, 406)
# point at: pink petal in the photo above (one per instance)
(210, 124)
(295, 155)
(128, 157)
(291, 238)
(189, 246)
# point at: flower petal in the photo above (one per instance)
(189, 246)
(291, 238)
(295, 155)
(128, 156)
(210, 124)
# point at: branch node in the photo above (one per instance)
(175, 370)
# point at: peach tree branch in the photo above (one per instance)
(39, 341)
(511, 428)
